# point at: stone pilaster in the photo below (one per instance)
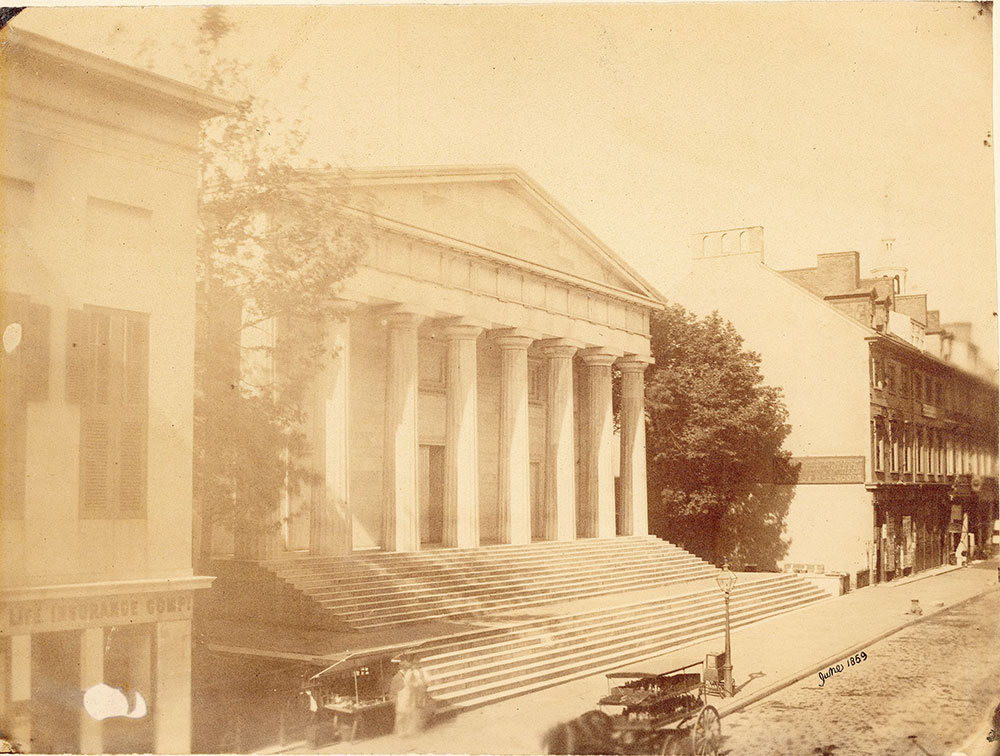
(461, 441)
(401, 527)
(599, 507)
(632, 476)
(560, 462)
(92, 673)
(330, 531)
(171, 708)
(515, 461)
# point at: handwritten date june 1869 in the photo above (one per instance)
(851, 661)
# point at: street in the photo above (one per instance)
(926, 689)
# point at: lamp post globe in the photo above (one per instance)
(726, 580)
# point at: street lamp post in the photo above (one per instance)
(726, 580)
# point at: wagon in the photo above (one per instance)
(650, 713)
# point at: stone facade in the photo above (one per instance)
(99, 172)
(469, 398)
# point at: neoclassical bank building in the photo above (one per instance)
(467, 400)
(480, 479)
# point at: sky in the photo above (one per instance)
(832, 125)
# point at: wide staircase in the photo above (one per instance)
(499, 621)
(485, 666)
(376, 590)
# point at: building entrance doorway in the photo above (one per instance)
(431, 485)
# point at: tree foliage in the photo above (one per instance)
(274, 246)
(719, 481)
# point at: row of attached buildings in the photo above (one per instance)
(893, 414)
(468, 400)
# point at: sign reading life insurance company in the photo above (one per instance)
(830, 469)
(68, 613)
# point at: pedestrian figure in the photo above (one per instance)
(413, 704)
(960, 553)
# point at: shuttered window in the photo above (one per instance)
(107, 374)
(24, 375)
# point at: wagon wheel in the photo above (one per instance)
(706, 735)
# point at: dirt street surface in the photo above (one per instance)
(929, 689)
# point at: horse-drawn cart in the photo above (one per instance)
(650, 713)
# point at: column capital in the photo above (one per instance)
(514, 338)
(404, 315)
(462, 328)
(634, 363)
(559, 347)
(599, 356)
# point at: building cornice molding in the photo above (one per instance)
(500, 258)
(913, 351)
(18, 45)
(105, 588)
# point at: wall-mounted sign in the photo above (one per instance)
(17, 617)
(815, 470)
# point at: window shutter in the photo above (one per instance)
(36, 353)
(132, 468)
(133, 435)
(95, 452)
(77, 355)
(136, 360)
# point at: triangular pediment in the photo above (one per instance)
(499, 210)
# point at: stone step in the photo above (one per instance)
(388, 589)
(307, 580)
(589, 656)
(366, 565)
(454, 652)
(484, 552)
(537, 600)
(614, 634)
(398, 591)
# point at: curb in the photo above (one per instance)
(795, 677)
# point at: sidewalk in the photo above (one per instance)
(767, 656)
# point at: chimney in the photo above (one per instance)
(914, 305)
(838, 272)
(933, 321)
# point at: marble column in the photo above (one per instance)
(330, 531)
(515, 462)
(560, 459)
(401, 527)
(632, 476)
(599, 507)
(91, 673)
(461, 437)
(171, 708)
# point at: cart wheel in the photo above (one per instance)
(706, 735)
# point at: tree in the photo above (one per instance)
(274, 246)
(719, 481)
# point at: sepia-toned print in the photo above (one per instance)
(499, 379)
